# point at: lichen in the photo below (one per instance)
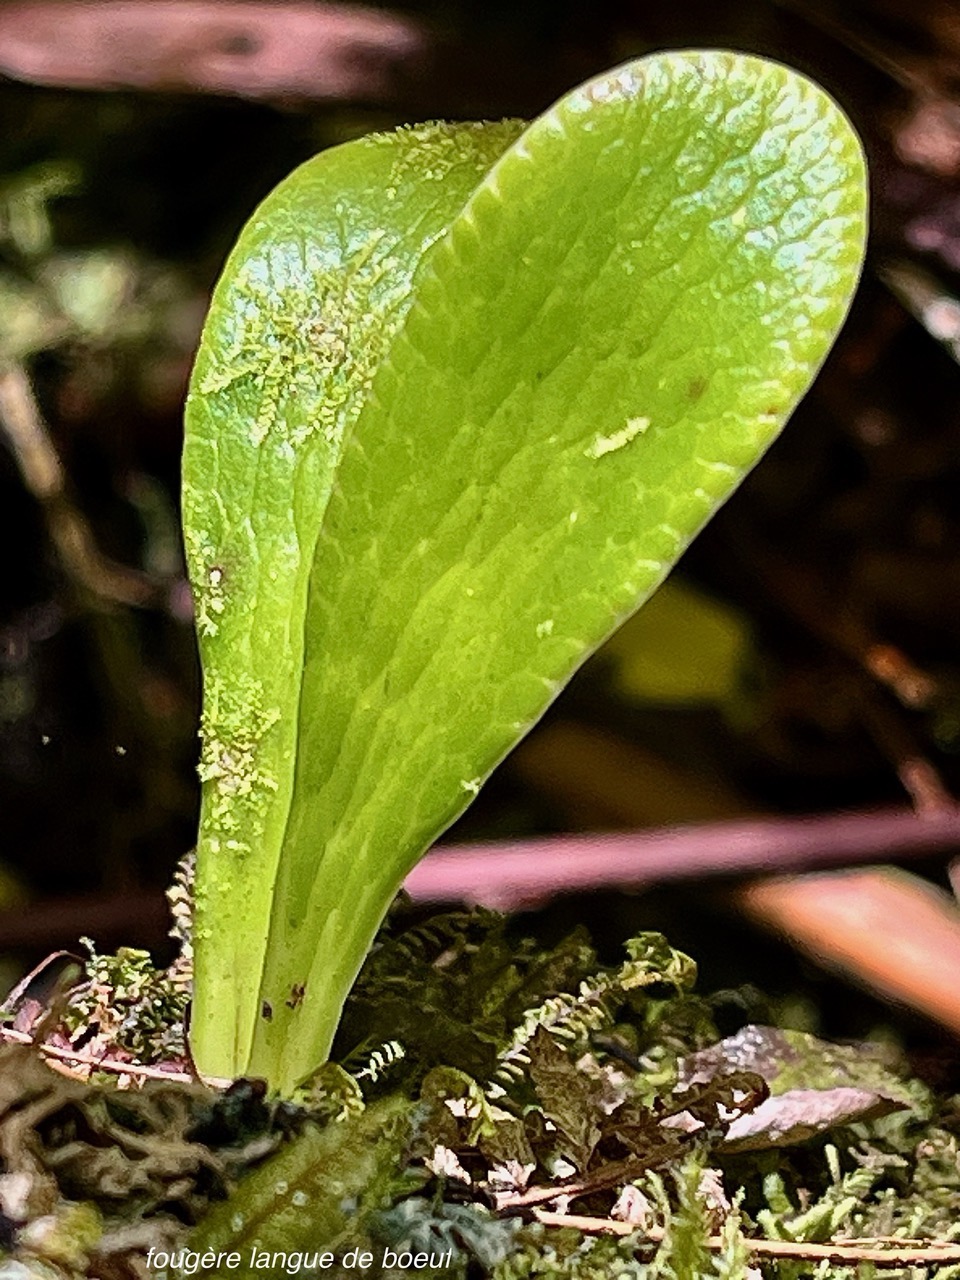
(306, 346)
(428, 152)
(235, 723)
(209, 581)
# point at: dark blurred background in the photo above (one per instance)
(803, 663)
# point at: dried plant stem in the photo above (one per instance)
(918, 775)
(614, 1175)
(91, 1062)
(512, 874)
(803, 595)
(98, 577)
(848, 1254)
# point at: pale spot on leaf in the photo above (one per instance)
(603, 445)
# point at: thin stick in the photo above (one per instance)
(848, 1254)
(918, 775)
(97, 1064)
(513, 874)
(801, 594)
(613, 1175)
(42, 472)
(16, 993)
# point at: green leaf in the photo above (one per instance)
(615, 324)
(307, 305)
(569, 1097)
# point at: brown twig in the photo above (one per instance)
(918, 775)
(19, 990)
(86, 1060)
(613, 1175)
(885, 56)
(36, 457)
(802, 595)
(848, 1254)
